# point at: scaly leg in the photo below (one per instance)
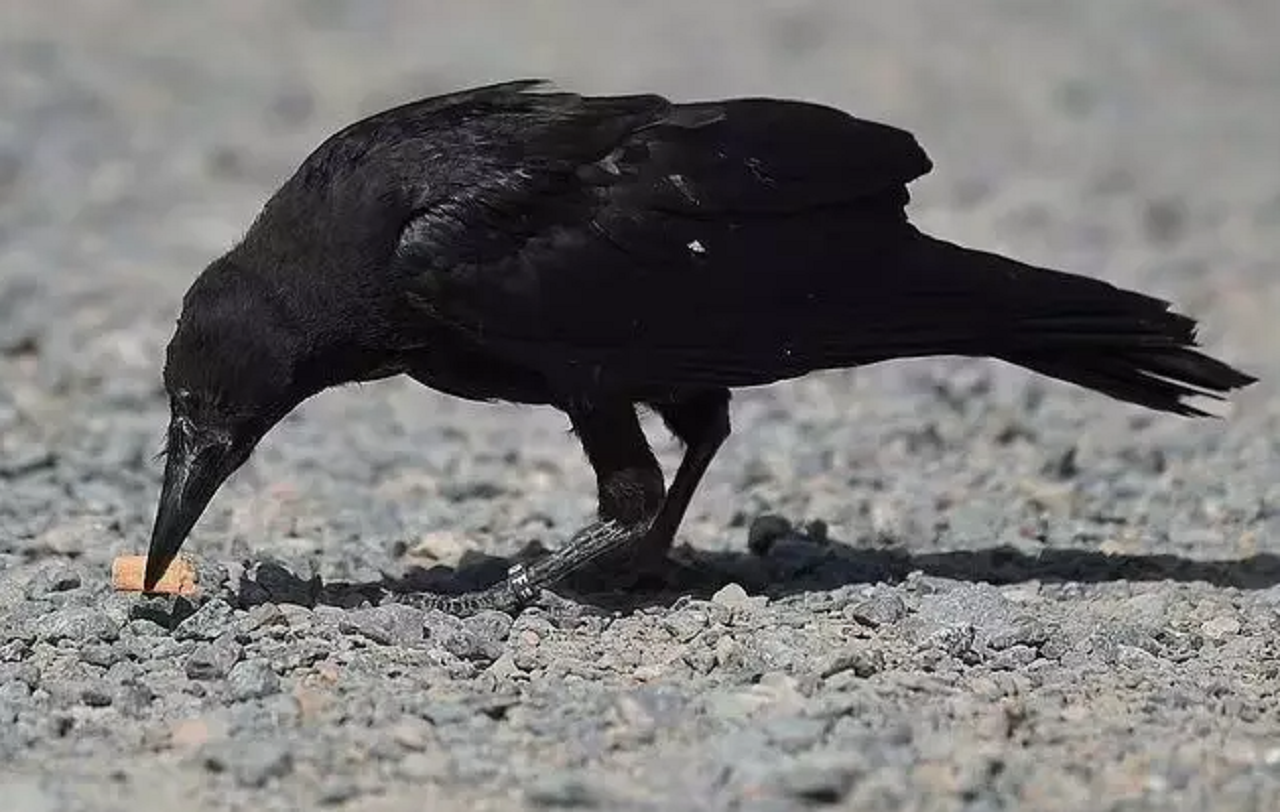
(630, 488)
(702, 424)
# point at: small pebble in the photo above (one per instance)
(97, 695)
(443, 547)
(1220, 628)
(824, 779)
(881, 609)
(862, 661)
(481, 641)
(213, 660)
(411, 734)
(252, 763)
(566, 790)
(79, 624)
(263, 615)
(1011, 658)
(252, 679)
(393, 624)
(338, 790)
(55, 579)
(764, 531)
(208, 622)
(103, 655)
(792, 734)
(734, 597)
(685, 625)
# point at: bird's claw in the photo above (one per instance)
(510, 596)
(524, 584)
(497, 598)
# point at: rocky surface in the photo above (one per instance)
(941, 584)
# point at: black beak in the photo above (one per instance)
(196, 465)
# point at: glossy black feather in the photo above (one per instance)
(637, 256)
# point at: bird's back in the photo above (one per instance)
(566, 231)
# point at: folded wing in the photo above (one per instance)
(628, 242)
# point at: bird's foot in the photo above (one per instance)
(497, 598)
(525, 582)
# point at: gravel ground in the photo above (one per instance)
(965, 588)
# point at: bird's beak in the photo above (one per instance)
(196, 465)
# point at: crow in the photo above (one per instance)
(604, 254)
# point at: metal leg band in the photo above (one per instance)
(521, 586)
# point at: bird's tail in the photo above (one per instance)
(1118, 342)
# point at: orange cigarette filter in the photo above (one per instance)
(179, 579)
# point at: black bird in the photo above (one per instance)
(599, 254)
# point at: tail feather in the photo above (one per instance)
(1084, 331)
(1157, 379)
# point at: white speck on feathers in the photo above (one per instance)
(697, 247)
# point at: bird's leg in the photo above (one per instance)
(630, 486)
(702, 424)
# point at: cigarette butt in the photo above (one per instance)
(127, 572)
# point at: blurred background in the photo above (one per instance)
(137, 138)
(1130, 139)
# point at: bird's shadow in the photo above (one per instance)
(794, 563)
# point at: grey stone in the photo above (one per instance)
(764, 531)
(208, 622)
(489, 625)
(81, 624)
(103, 655)
(213, 660)
(791, 734)
(1025, 631)
(881, 609)
(13, 691)
(820, 778)
(956, 640)
(302, 618)
(393, 624)
(1220, 627)
(261, 617)
(338, 790)
(428, 766)
(863, 661)
(97, 694)
(686, 624)
(567, 790)
(1011, 658)
(474, 643)
(51, 580)
(252, 679)
(252, 763)
(735, 598)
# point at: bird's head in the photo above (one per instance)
(231, 373)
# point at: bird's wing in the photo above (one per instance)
(629, 242)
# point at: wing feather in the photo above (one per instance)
(637, 243)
